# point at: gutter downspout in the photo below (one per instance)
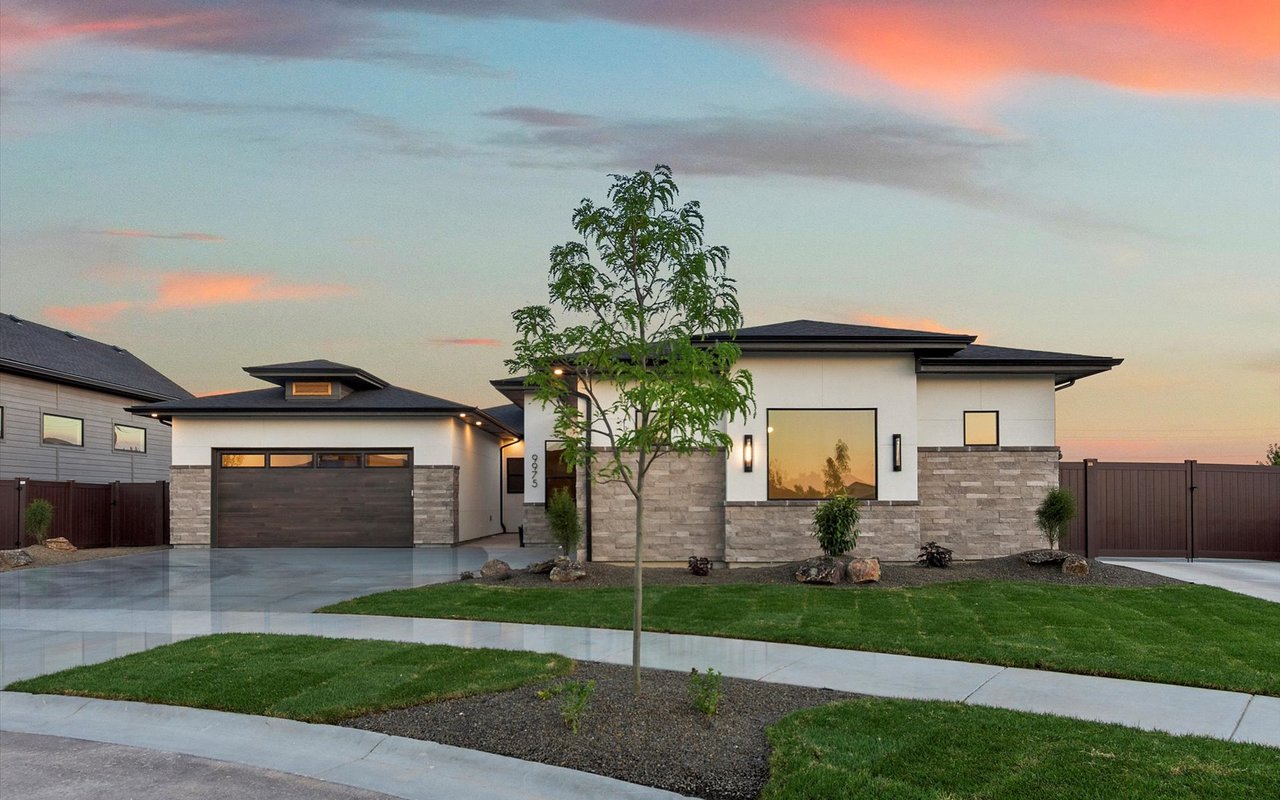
(502, 474)
(587, 488)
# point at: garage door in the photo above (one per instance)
(322, 498)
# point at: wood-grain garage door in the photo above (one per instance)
(347, 498)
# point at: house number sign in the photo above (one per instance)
(533, 470)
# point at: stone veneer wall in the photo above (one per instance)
(766, 532)
(435, 505)
(190, 505)
(981, 501)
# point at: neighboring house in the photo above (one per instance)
(332, 456)
(946, 440)
(62, 408)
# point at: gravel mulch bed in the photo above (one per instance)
(1009, 568)
(44, 557)
(659, 739)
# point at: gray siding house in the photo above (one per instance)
(62, 408)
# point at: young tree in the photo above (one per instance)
(641, 293)
(1273, 456)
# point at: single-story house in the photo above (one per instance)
(946, 440)
(62, 408)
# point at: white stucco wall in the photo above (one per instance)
(512, 504)
(886, 383)
(476, 454)
(539, 424)
(1025, 403)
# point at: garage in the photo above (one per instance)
(313, 498)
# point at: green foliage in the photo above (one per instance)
(1273, 456)
(934, 555)
(1055, 514)
(574, 697)
(835, 524)
(706, 689)
(562, 517)
(38, 519)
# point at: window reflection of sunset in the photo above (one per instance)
(800, 442)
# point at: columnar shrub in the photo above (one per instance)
(835, 524)
(562, 517)
(1054, 515)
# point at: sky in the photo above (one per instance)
(219, 183)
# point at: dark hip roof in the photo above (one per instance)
(354, 377)
(28, 348)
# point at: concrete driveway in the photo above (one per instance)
(1254, 578)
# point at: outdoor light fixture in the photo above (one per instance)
(897, 452)
(156, 415)
(748, 453)
(463, 415)
(557, 371)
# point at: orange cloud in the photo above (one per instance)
(86, 317)
(196, 289)
(190, 236)
(477, 342)
(909, 323)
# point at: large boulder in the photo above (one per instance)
(567, 571)
(1037, 557)
(1075, 566)
(825, 571)
(864, 570)
(541, 567)
(496, 569)
(60, 543)
(15, 558)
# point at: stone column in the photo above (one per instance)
(190, 505)
(435, 505)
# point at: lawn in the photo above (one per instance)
(306, 678)
(912, 749)
(1185, 634)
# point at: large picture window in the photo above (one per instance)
(817, 453)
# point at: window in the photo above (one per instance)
(291, 460)
(1, 422)
(312, 389)
(981, 427)
(560, 473)
(339, 461)
(62, 430)
(515, 475)
(128, 439)
(386, 460)
(816, 453)
(243, 460)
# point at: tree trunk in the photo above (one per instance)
(637, 612)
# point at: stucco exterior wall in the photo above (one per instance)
(431, 439)
(512, 502)
(475, 454)
(1025, 403)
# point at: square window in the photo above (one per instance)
(128, 439)
(981, 428)
(817, 453)
(62, 430)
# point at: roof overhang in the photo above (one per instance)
(354, 377)
(511, 388)
(31, 370)
(464, 415)
(1062, 370)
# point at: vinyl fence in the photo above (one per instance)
(89, 514)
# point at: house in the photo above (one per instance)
(332, 456)
(62, 408)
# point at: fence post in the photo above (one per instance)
(1090, 465)
(1190, 465)
(22, 509)
(114, 511)
(160, 515)
(70, 517)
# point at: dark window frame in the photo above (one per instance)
(309, 465)
(547, 477)
(223, 454)
(964, 426)
(520, 475)
(875, 448)
(367, 465)
(116, 449)
(339, 464)
(293, 389)
(44, 414)
(1, 422)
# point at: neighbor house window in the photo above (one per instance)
(816, 453)
(288, 460)
(339, 461)
(981, 427)
(238, 460)
(128, 439)
(386, 460)
(62, 430)
(515, 475)
(312, 389)
(1, 422)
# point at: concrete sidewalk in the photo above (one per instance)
(1232, 716)
(1255, 578)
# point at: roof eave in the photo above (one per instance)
(350, 376)
(1062, 370)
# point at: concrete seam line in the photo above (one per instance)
(978, 688)
(1243, 711)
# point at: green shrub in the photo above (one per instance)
(1054, 515)
(706, 690)
(38, 519)
(835, 524)
(575, 695)
(562, 516)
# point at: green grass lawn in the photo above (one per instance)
(892, 749)
(306, 678)
(1193, 635)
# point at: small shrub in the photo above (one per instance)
(699, 566)
(835, 524)
(575, 695)
(706, 690)
(1054, 515)
(562, 517)
(934, 555)
(38, 519)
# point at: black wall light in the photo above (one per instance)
(897, 452)
(748, 453)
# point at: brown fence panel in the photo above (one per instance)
(89, 514)
(1237, 511)
(58, 493)
(1137, 509)
(141, 514)
(1071, 478)
(9, 505)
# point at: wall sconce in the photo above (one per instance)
(897, 452)
(748, 453)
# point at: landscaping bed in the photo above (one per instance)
(42, 556)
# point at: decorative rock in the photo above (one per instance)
(467, 575)
(864, 570)
(824, 571)
(15, 558)
(568, 571)
(60, 543)
(495, 568)
(1044, 556)
(1076, 566)
(541, 567)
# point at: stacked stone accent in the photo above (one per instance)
(190, 505)
(435, 505)
(536, 529)
(766, 532)
(684, 512)
(981, 501)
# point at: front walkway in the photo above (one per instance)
(1254, 578)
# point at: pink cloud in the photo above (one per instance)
(189, 236)
(908, 323)
(197, 289)
(465, 342)
(89, 317)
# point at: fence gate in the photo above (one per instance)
(89, 514)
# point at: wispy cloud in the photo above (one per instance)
(907, 323)
(187, 236)
(88, 317)
(540, 117)
(468, 342)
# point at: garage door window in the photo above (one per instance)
(386, 460)
(339, 461)
(288, 460)
(243, 460)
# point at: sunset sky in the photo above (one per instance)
(213, 184)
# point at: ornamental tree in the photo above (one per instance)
(628, 366)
